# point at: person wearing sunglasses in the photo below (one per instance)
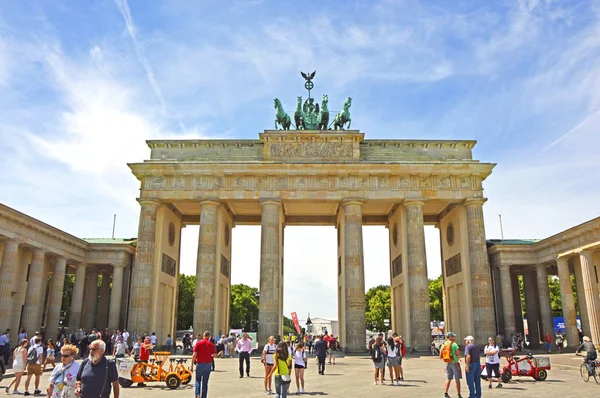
(97, 375)
(63, 377)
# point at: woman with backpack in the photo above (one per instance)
(18, 366)
(281, 370)
(300, 362)
(378, 353)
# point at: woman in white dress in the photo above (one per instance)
(267, 360)
(19, 363)
(64, 376)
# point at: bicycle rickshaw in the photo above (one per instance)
(131, 372)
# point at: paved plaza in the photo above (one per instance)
(353, 377)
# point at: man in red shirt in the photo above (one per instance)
(204, 352)
(145, 349)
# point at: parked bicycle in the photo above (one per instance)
(589, 368)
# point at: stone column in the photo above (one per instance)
(115, 297)
(143, 271)
(544, 295)
(8, 268)
(56, 296)
(77, 298)
(102, 316)
(91, 298)
(481, 283)
(354, 272)
(568, 304)
(517, 305)
(34, 303)
(591, 295)
(206, 268)
(531, 307)
(416, 266)
(507, 301)
(270, 317)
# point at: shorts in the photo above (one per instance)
(299, 366)
(34, 369)
(492, 366)
(330, 351)
(380, 364)
(453, 371)
(392, 361)
(269, 364)
(399, 360)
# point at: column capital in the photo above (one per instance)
(475, 201)
(38, 251)
(148, 202)
(12, 241)
(118, 265)
(352, 201)
(541, 265)
(270, 201)
(81, 265)
(562, 260)
(410, 202)
(210, 201)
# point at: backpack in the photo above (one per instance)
(376, 355)
(32, 357)
(446, 353)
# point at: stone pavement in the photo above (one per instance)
(353, 377)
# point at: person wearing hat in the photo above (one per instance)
(452, 367)
(590, 350)
(473, 367)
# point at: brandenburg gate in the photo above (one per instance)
(314, 177)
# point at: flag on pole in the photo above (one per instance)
(296, 324)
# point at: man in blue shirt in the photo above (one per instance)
(473, 367)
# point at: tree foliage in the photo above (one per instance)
(436, 305)
(244, 307)
(187, 292)
(378, 306)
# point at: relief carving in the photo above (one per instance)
(311, 150)
(156, 182)
(178, 183)
(363, 183)
(281, 183)
(465, 182)
(239, 183)
(321, 183)
(219, 183)
(404, 183)
(200, 183)
(384, 183)
(425, 183)
(261, 183)
(301, 183)
(344, 183)
(444, 183)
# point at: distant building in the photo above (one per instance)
(320, 325)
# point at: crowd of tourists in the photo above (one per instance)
(284, 360)
(94, 376)
(387, 353)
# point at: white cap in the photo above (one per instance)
(470, 338)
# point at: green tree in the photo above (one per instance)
(378, 307)
(436, 306)
(185, 309)
(244, 307)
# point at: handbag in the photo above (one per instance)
(284, 378)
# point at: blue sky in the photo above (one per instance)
(83, 84)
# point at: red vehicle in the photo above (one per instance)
(536, 367)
